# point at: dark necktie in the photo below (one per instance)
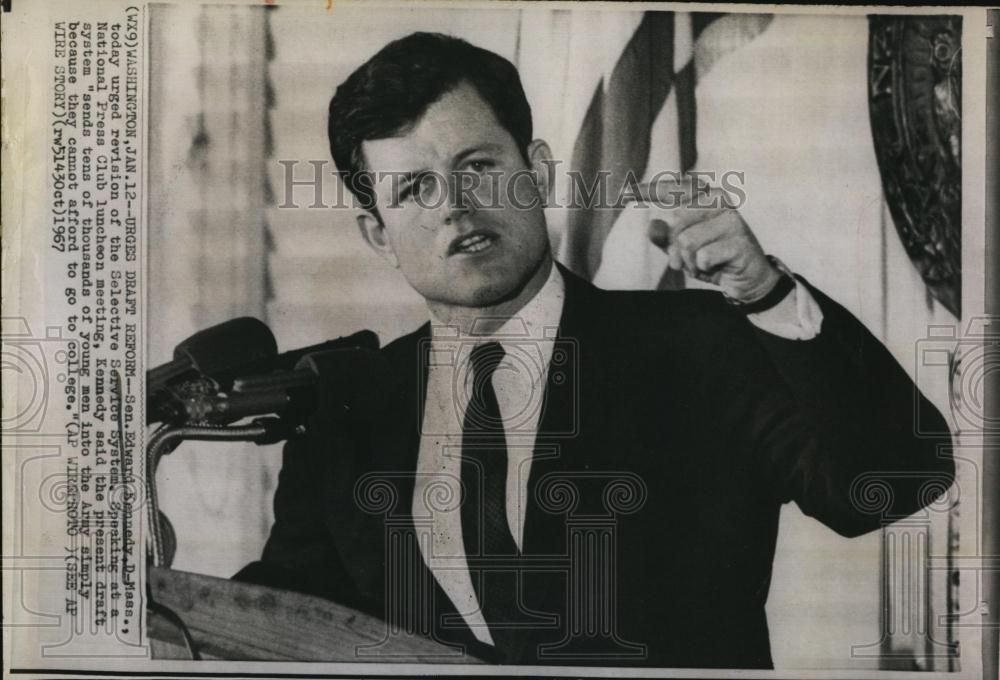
(489, 544)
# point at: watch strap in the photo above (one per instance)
(784, 286)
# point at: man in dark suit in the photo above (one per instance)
(562, 474)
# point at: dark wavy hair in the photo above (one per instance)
(392, 90)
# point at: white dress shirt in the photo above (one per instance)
(519, 381)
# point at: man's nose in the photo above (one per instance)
(461, 200)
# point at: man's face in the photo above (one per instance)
(475, 252)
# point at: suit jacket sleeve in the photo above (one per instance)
(299, 554)
(834, 421)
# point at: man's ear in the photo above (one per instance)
(539, 155)
(374, 234)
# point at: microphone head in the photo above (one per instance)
(355, 382)
(228, 345)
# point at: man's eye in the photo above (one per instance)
(480, 165)
(418, 187)
(427, 186)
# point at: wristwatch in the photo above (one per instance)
(784, 286)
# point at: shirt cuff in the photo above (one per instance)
(797, 317)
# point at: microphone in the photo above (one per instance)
(287, 361)
(348, 382)
(207, 365)
(225, 346)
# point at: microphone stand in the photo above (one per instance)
(267, 430)
(200, 409)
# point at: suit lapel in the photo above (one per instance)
(409, 360)
(557, 447)
(559, 451)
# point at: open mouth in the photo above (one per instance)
(472, 243)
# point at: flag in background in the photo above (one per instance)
(624, 87)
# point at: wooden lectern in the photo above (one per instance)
(232, 620)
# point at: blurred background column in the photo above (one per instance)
(209, 153)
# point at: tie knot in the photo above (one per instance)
(485, 359)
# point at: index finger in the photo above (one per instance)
(694, 207)
(671, 192)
